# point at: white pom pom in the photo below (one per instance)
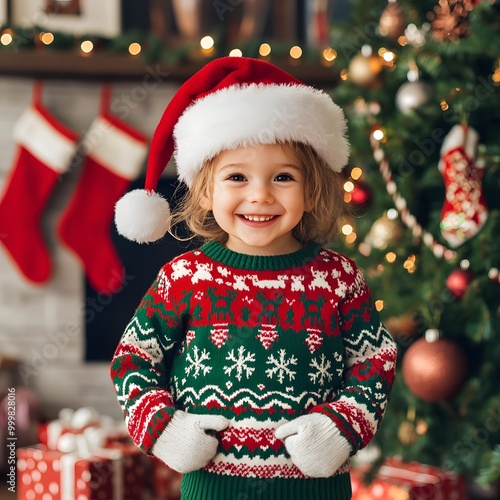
(142, 216)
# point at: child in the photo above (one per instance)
(257, 364)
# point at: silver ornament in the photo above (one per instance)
(412, 95)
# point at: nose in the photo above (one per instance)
(260, 192)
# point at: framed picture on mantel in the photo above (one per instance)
(3, 12)
(95, 17)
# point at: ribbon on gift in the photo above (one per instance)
(419, 481)
(88, 445)
(85, 444)
(409, 475)
(444, 484)
(72, 421)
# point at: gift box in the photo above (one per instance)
(398, 480)
(110, 474)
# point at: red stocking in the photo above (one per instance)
(45, 148)
(464, 210)
(115, 153)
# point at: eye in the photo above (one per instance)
(283, 177)
(236, 177)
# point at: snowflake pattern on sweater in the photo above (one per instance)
(259, 340)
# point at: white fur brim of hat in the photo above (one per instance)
(242, 115)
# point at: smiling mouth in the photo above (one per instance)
(259, 218)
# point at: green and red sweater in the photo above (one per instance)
(260, 340)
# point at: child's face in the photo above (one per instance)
(258, 198)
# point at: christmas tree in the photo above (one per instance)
(421, 90)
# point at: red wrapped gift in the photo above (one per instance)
(166, 482)
(398, 480)
(111, 474)
(77, 422)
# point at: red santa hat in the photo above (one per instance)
(230, 102)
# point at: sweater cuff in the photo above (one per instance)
(163, 445)
(156, 426)
(341, 425)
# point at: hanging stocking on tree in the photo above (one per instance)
(115, 153)
(45, 148)
(464, 211)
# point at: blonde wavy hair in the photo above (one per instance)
(323, 188)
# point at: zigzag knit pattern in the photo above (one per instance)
(261, 341)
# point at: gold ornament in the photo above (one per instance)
(407, 433)
(363, 70)
(392, 22)
(383, 232)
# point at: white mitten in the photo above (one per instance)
(186, 444)
(315, 444)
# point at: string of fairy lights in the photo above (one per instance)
(207, 46)
(11, 36)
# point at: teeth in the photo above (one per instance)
(258, 218)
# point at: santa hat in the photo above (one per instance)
(230, 102)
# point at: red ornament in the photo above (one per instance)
(434, 371)
(361, 195)
(458, 282)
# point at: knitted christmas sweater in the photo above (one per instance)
(260, 340)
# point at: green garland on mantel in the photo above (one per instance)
(153, 48)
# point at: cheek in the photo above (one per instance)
(223, 195)
(299, 200)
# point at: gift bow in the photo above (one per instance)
(85, 437)
(83, 430)
(85, 444)
(83, 417)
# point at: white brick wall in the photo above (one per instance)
(43, 324)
